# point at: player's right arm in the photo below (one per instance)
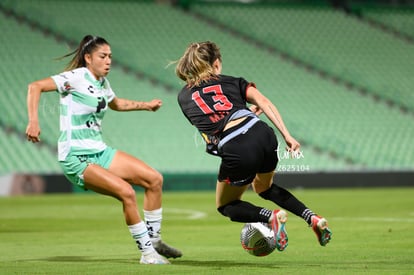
(33, 98)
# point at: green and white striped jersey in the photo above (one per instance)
(83, 103)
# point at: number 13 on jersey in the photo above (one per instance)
(220, 101)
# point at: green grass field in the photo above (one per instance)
(373, 233)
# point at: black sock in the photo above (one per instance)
(242, 211)
(286, 200)
(307, 215)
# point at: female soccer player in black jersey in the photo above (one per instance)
(216, 105)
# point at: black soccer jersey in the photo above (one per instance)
(209, 105)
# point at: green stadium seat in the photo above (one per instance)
(339, 129)
(329, 40)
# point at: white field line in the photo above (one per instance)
(188, 214)
(373, 219)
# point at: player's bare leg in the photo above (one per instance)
(262, 182)
(104, 182)
(139, 173)
(226, 193)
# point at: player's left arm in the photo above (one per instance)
(254, 96)
(122, 105)
(256, 110)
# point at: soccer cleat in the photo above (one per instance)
(320, 227)
(278, 226)
(153, 258)
(166, 250)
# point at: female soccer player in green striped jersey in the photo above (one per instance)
(85, 96)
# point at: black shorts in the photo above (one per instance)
(248, 154)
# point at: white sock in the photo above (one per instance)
(153, 220)
(139, 233)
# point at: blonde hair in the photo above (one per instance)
(87, 45)
(196, 65)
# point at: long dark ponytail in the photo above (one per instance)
(87, 45)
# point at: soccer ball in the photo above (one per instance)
(257, 239)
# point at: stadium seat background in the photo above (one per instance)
(340, 128)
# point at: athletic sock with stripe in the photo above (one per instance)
(139, 233)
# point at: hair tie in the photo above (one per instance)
(88, 43)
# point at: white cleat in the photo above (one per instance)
(153, 258)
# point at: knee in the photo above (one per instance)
(226, 210)
(221, 210)
(156, 181)
(267, 194)
(127, 195)
(159, 179)
(240, 211)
